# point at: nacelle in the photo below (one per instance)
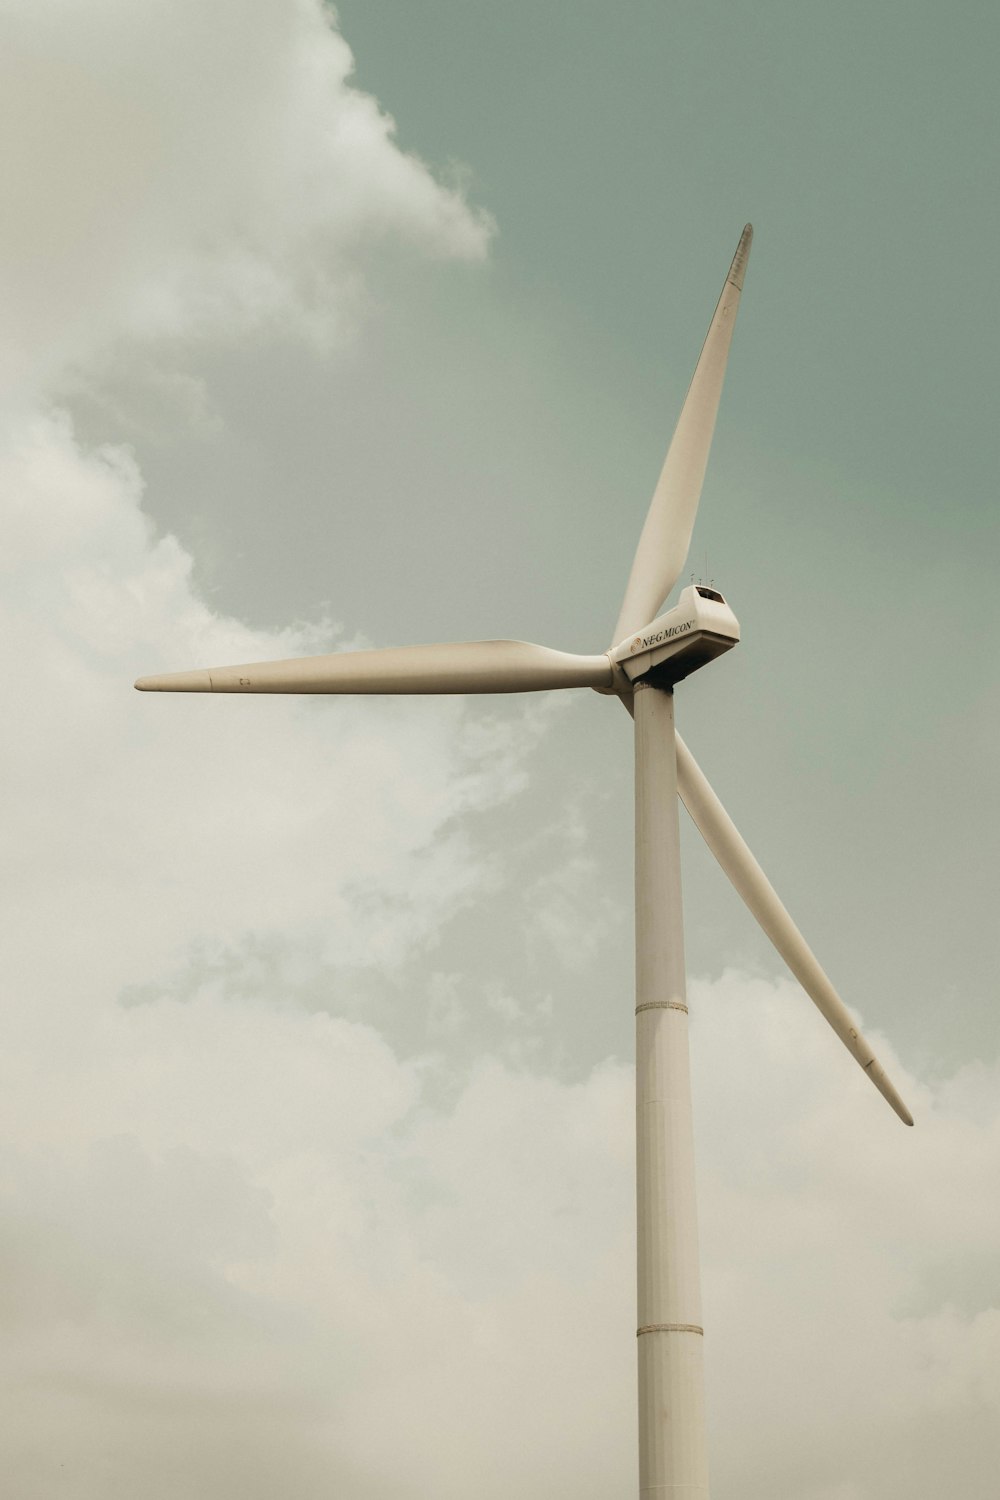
(697, 630)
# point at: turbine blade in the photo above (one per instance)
(722, 837)
(461, 667)
(666, 536)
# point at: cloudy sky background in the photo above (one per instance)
(371, 327)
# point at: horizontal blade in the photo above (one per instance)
(461, 667)
(666, 536)
(721, 836)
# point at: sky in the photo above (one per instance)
(332, 328)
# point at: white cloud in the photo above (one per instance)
(166, 823)
(235, 1227)
(837, 1249)
(206, 1188)
(172, 167)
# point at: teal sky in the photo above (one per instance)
(851, 505)
(618, 150)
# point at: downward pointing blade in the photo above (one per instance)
(722, 837)
(666, 536)
(460, 667)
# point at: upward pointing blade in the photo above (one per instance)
(666, 536)
(458, 667)
(722, 837)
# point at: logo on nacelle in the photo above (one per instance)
(660, 636)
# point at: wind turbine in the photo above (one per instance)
(647, 658)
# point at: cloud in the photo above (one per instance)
(328, 826)
(238, 1228)
(197, 1160)
(857, 1242)
(176, 168)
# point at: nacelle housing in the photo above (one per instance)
(698, 628)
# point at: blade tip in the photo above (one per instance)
(892, 1098)
(738, 269)
(175, 682)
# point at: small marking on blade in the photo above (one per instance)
(670, 1328)
(662, 1005)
